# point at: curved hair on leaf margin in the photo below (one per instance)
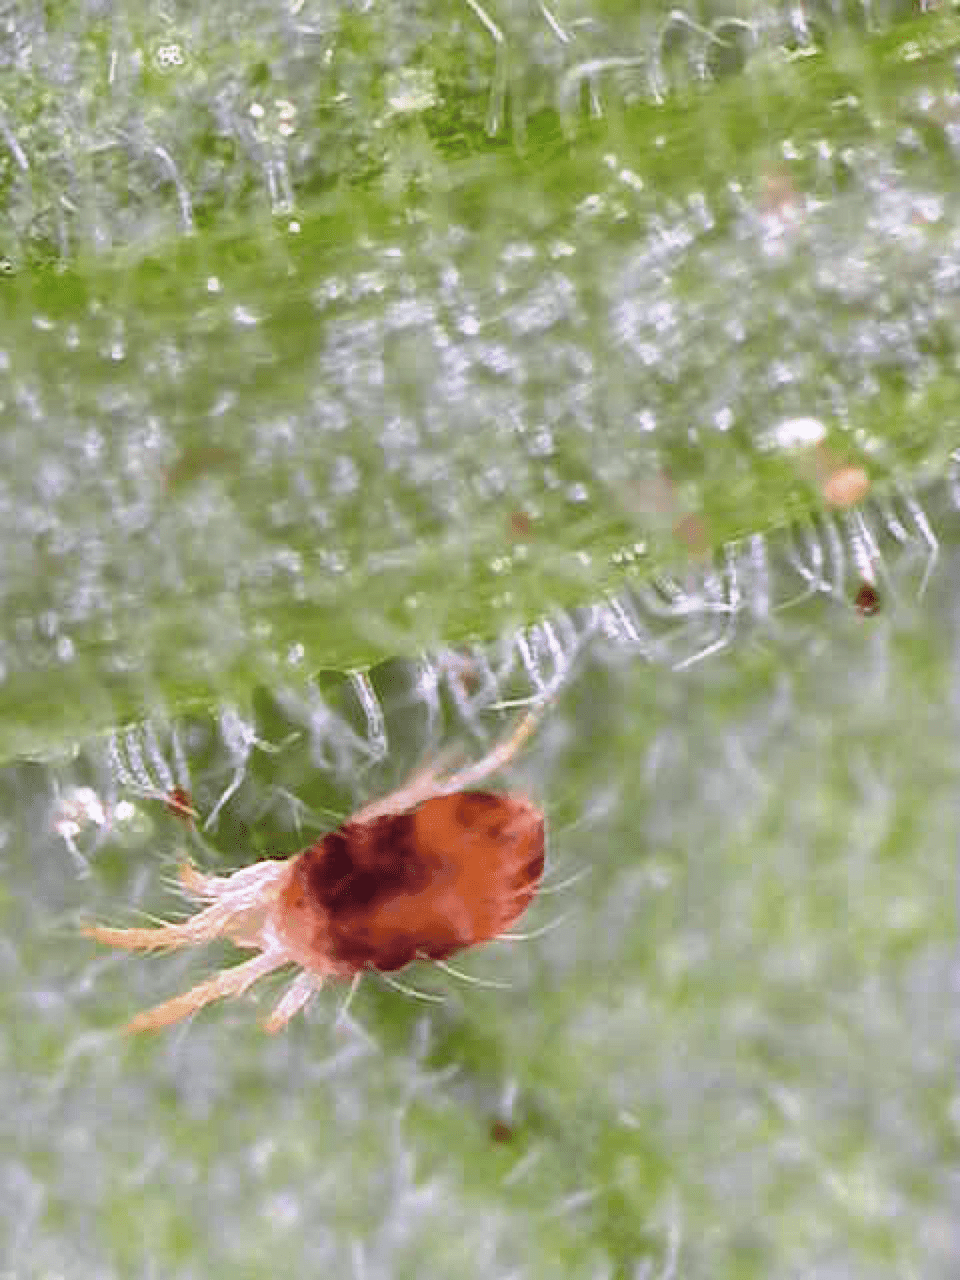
(428, 870)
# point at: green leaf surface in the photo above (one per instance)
(258, 449)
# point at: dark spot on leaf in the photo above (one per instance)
(867, 600)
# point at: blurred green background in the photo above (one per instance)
(365, 370)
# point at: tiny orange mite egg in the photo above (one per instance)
(846, 486)
(427, 871)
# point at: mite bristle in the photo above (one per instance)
(411, 991)
(469, 977)
(561, 885)
(348, 1001)
(534, 933)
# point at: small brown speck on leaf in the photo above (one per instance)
(500, 1131)
(180, 804)
(692, 531)
(867, 600)
(521, 526)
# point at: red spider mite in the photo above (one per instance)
(422, 873)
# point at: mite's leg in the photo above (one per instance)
(203, 927)
(228, 982)
(196, 883)
(430, 782)
(421, 786)
(233, 886)
(293, 1001)
(498, 757)
(233, 897)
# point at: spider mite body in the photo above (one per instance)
(427, 871)
(453, 872)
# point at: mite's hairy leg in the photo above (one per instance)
(228, 982)
(237, 902)
(297, 995)
(430, 782)
(498, 757)
(203, 927)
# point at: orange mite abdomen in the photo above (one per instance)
(456, 870)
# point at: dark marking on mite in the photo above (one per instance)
(528, 877)
(386, 957)
(352, 946)
(360, 864)
(481, 811)
(355, 875)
